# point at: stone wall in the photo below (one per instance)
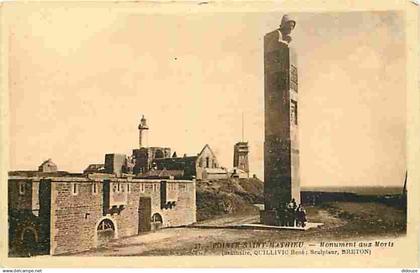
(76, 216)
(25, 198)
(73, 207)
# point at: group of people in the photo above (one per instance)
(290, 214)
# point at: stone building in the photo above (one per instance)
(144, 157)
(203, 166)
(60, 212)
(47, 166)
(144, 162)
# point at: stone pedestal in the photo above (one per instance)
(269, 217)
(281, 146)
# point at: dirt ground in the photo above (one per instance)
(342, 221)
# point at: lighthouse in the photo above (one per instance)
(143, 131)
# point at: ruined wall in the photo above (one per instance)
(22, 200)
(145, 156)
(23, 212)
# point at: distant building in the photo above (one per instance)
(240, 157)
(144, 157)
(57, 212)
(47, 166)
(202, 166)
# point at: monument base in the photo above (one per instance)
(262, 226)
(272, 218)
(269, 217)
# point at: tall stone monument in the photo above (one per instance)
(281, 145)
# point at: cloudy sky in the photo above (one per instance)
(80, 79)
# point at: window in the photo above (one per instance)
(94, 188)
(207, 162)
(106, 225)
(157, 218)
(128, 187)
(74, 189)
(293, 78)
(118, 187)
(21, 188)
(293, 112)
(142, 187)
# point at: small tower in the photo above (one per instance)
(143, 129)
(47, 166)
(240, 153)
(240, 156)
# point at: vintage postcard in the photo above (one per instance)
(209, 134)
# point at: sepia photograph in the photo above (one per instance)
(236, 133)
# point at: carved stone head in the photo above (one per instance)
(286, 27)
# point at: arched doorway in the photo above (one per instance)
(159, 154)
(29, 238)
(156, 221)
(105, 231)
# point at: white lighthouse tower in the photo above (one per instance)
(143, 132)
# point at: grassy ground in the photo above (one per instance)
(228, 196)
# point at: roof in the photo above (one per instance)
(49, 162)
(95, 167)
(206, 146)
(163, 173)
(177, 159)
(41, 174)
(90, 179)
